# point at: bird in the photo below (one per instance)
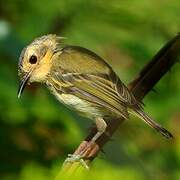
(81, 80)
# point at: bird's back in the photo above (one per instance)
(81, 60)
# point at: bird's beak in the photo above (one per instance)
(23, 83)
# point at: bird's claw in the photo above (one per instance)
(76, 158)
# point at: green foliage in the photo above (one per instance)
(36, 132)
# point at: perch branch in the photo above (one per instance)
(160, 64)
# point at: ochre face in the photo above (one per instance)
(35, 60)
(42, 67)
(29, 59)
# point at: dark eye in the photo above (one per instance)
(33, 59)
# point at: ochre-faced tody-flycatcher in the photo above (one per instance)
(81, 80)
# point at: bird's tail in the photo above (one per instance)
(142, 115)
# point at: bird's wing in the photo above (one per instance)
(75, 59)
(86, 75)
(92, 88)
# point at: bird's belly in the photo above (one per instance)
(83, 107)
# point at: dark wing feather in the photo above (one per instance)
(124, 94)
(92, 88)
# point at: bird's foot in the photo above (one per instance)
(76, 158)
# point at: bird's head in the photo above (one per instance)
(36, 59)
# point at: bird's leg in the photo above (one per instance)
(101, 127)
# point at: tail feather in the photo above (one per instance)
(142, 115)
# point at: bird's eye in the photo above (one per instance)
(33, 59)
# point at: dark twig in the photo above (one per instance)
(160, 64)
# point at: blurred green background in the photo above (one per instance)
(37, 133)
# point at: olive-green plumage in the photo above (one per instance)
(81, 80)
(79, 72)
